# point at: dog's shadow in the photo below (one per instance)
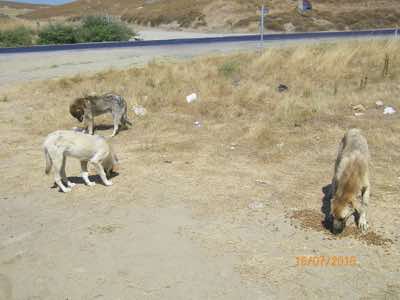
(94, 178)
(104, 127)
(326, 206)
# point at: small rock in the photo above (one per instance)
(197, 124)
(379, 104)
(283, 88)
(289, 27)
(357, 114)
(359, 108)
(256, 205)
(262, 182)
(280, 145)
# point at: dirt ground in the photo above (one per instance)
(194, 212)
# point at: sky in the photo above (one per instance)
(43, 1)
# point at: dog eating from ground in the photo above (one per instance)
(350, 184)
(87, 148)
(86, 108)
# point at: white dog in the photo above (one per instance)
(87, 148)
(350, 184)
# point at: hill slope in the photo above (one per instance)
(236, 14)
(20, 5)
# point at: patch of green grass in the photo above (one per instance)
(20, 36)
(229, 68)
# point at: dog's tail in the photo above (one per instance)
(49, 162)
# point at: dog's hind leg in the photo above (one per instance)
(89, 123)
(64, 175)
(58, 174)
(85, 174)
(100, 171)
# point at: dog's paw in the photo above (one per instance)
(91, 183)
(67, 190)
(362, 224)
(71, 184)
(108, 183)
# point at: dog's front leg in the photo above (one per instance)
(91, 125)
(362, 221)
(116, 125)
(100, 171)
(85, 174)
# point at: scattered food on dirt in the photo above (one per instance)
(311, 219)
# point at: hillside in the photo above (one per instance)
(236, 15)
(19, 5)
(12, 9)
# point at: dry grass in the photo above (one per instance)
(239, 105)
(240, 91)
(12, 23)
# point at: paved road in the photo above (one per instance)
(38, 66)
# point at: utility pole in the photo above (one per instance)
(262, 24)
(264, 12)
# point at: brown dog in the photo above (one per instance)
(86, 108)
(350, 184)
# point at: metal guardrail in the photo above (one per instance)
(206, 40)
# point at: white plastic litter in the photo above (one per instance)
(197, 124)
(389, 110)
(191, 98)
(139, 110)
(256, 205)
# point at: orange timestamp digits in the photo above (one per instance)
(326, 261)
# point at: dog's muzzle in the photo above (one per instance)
(338, 226)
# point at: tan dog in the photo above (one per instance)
(87, 148)
(350, 184)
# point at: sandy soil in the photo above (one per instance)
(188, 217)
(191, 215)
